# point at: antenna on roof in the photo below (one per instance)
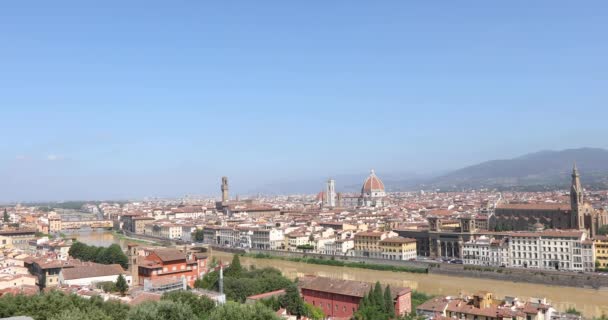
(221, 285)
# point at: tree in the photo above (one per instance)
(161, 310)
(314, 312)
(573, 311)
(292, 302)
(6, 217)
(236, 311)
(379, 297)
(121, 285)
(209, 281)
(77, 314)
(603, 230)
(111, 255)
(235, 268)
(388, 301)
(198, 235)
(200, 306)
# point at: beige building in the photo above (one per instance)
(601, 252)
(54, 224)
(398, 248)
(367, 243)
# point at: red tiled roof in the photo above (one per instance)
(267, 294)
(343, 287)
(535, 206)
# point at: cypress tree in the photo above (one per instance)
(388, 302)
(378, 296)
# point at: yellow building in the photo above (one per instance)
(54, 224)
(601, 251)
(367, 243)
(6, 242)
(398, 248)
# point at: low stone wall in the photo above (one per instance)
(548, 277)
(292, 254)
(229, 250)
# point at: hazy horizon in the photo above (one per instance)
(120, 100)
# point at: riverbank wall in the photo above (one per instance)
(546, 277)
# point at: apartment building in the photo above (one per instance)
(548, 249)
(367, 243)
(267, 239)
(601, 251)
(398, 248)
(486, 251)
(338, 247)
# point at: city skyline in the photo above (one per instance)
(109, 102)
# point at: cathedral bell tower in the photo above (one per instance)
(576, 198)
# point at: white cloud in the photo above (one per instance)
(21, 157)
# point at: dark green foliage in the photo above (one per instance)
(53, 305)
(338, 263)
(110, 255)
(107, 286)
(603, 230)
(272, 303)
(292, 302)
(162, 310)
(245, 283)
(573, 310)
(235, 269)
(305, 247)
(121, 284)
(209, 281)
(200, 306)
(198, 235)
(235, 311)
(379, 296)
(5, 216)
(419, 298)
(313, 312)
(376, 305)
(388, 301)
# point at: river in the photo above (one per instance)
(97, 237)
(591, 302)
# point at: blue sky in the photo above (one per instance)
(123, 99)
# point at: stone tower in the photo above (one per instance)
(576, 198)
(330, 198)
(225, 189)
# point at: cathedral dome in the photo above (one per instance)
(372, 184)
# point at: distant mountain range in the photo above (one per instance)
(544, 170)
(540, 170)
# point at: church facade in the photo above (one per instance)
(530, 216)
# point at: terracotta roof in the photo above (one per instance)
(167, 255)
(91, 271)
(369, 234)
(372, 183)
(434, 305)
(398, 240)
(343, 287)
(267, 294)
(144, 297)
(535, 206)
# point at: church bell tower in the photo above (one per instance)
(576, 198)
